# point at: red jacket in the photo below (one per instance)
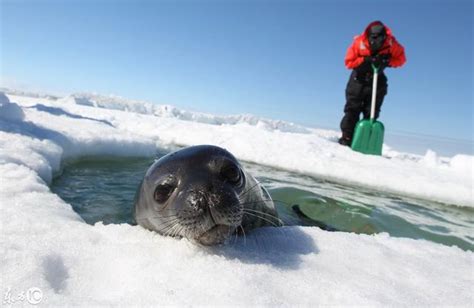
(360, 48)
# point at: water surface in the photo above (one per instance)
(103, 189)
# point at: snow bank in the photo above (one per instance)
(30, 94)
(109, 102)
(119, 103)
(40, 136)
(462, 163)
(50, 254)
(9, 111)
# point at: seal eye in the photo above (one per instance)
(231, 174)
(163, 192)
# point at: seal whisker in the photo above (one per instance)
(172, 231)
(243, 233)
(256, 185)
(235, 237)
(170, 226)
(167, 230)
(169, 223)
(270, 200)
(179, 230)
(269, 216)
(248, 211)
(263, 218)
(148, 217)
(176, 230)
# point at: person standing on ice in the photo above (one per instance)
(375, 46)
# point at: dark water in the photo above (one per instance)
(102, 189)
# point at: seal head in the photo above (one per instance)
(201, 193)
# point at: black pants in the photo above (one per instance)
(358, 100)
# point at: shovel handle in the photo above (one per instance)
(374, 93)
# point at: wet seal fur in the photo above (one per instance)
(202, 193)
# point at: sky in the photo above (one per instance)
(276, 59)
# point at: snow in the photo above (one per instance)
(46, 245)
(118, 103)
(9, 111)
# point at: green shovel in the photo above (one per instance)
(368, 135)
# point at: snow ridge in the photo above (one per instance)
(119, 103)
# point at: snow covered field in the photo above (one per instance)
(46, 246)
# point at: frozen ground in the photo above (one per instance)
(46, 245)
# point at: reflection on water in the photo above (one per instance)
(360, 210)
(102, 189)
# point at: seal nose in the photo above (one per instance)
(197, 200)
(204, 203)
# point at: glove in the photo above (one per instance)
(385, 60)
(380, 61)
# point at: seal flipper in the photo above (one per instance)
(311, 222)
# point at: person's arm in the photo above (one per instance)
(398, 54)
(353, 58)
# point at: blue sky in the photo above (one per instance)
(278, 59)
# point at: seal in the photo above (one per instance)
(202, 193)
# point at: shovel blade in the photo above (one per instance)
(368, 137)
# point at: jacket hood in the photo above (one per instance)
(377, 22)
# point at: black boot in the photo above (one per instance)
(345, 140)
